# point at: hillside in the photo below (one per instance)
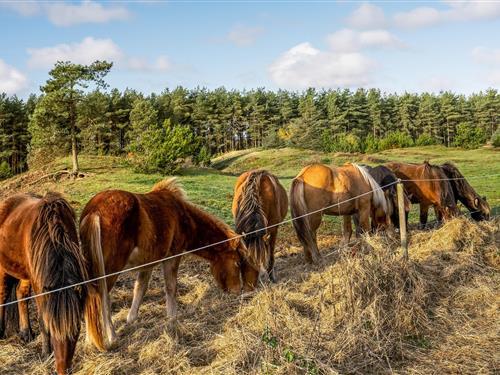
(363, 310)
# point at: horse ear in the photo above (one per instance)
(484, 198)
(476, 202)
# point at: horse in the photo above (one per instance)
(465, 193)
(120, 230)
(387, 181)
(39, 246)
(259, 201)
(322, 189)
(427, 185)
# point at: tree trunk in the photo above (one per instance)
(74, 152)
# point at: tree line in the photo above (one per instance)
(76, 113)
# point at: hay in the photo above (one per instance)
(359, 312)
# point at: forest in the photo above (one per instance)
(77, 112)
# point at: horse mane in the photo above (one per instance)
(441, 184)
(57, 262)
(250, 217)
(171, 185)
(378, 196)
(460, 185)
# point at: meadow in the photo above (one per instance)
(359, 311)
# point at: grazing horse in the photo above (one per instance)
(318, 186)
(122, 230)
(39, 246)
(427, 185)
(387, 181)
(477, 205)
(259, 201)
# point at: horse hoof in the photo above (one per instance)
(26, 335)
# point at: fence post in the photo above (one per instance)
(402, 218)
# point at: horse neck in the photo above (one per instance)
(204, 229)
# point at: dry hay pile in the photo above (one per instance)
(364, 310)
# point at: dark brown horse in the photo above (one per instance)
(427, 185)
(39, 246)
(122, 230)
(259, 201)
(387, 181)
(465, 193)
(322, 190)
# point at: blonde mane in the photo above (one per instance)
(171, 185)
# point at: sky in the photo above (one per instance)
(412, 46)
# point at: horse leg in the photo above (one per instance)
(311, 249)
(23, 291)
(347, 228)
(141, 284)
(4, 292)
(364, 218)
(424, 212)
(170, 268)
(46, 346)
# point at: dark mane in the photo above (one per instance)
(459, 184)
(441, 183)
(250, 216)
(58, 262)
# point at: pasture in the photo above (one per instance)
(359, 311)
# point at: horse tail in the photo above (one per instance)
(57, 262)
(90, 234)
(378, 196)
(299, 210)
(250, 218)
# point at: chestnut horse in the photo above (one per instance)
(318, 186)
(39, 246)
(427, 185)
(387, 181)
(465, 193)
(259, 201)
(123, 230)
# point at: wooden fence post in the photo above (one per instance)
(402, 218)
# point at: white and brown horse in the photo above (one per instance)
(345, 190)
(259, 201)
(122, 230)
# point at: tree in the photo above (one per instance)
(57, 111)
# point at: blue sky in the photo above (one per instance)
(395, 46)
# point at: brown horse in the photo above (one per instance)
(321, 188)
(122, 230)
(259, 201)
(39, 246)
(465, 193)
(427, 185)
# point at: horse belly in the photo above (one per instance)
(139, 256)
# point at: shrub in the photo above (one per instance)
(468, 136)
(163, 149)
(371, 144)
(340, 142)
(425, 139)
(203, 157)
(395, 139)
(5, 171)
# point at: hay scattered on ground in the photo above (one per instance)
(364, 310)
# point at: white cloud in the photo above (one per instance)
(485, 55)
(305, 66)
(12, 81)
(91, 49)
(457, 11)
(85, 52)
(243, 36)
(437, 83)
(161, 64)
(68, 14)
(367, 16)
(347, 40)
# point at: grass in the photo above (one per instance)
(361, 311)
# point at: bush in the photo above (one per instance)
(5, 171)
(163, 149)
(468, 136)
(371, 144)
(426, 140)
(395, 140)
(495, 138)
(203, 157)
(340, 142)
